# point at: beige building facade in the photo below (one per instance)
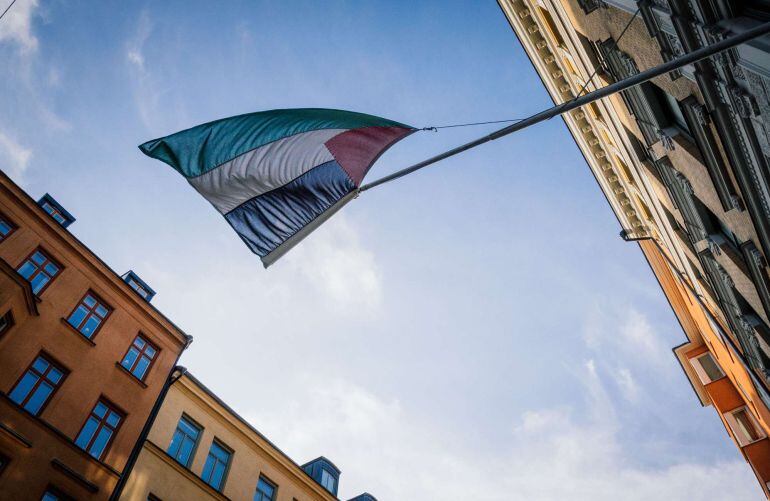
(199, 448)
(683, 162)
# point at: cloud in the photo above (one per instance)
(549, 454)
(624, 330)
(339, 267)
(627, 384)
(14, 158)
(16, 26)
(145, 89)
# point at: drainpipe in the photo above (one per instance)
(177, 372)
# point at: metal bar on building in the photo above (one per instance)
(639, 78)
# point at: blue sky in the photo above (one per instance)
(474, 331)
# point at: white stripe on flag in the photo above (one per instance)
(264, 169)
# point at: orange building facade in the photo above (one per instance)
(684, 162)
(84, 357)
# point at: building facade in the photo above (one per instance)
(84, 357)
(684, 162)
(199, 448)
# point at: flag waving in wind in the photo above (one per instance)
(277, 175)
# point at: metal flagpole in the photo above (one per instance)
(694, 56)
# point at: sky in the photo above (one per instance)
(476, 330)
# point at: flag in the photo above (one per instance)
(277, 175)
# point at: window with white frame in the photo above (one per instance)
(744, 426)
(707, 368)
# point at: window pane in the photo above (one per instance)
(5, 229)
(185, 451)
(77, 316)
(176, 442)
(130, 358)
(744, 421)
(89, 301)
(90, 326)
(101, 311)
(22, 389)
(141, 367)
(265, 491)
(38, 282)
(54, 375)
(38, 257)
(97, 448)
(113, 419)
(217, 475)
(40, 364)
(208, 468)
(38, 398)
(27, 269)
(139, 342)
(710, 367)
(49, 496)
(100, 409)
(51, 269)
(150, 351)
(189, 428)
(87, 432)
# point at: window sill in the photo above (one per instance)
(77, 332)
(127, 373)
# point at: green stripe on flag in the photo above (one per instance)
(200, 149)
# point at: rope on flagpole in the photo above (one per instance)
(7, 8)
(602, 92)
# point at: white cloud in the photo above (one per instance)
(639, 334)
(627, 384)
(339, 267)
(549, 454)
(146, 93)
(626, 331)
(14, 158)
(16, 25)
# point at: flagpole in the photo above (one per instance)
(639, 78)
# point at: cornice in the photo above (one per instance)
(547, 56)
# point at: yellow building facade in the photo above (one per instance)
(683, 162)
(199, 448)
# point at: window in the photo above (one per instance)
(55, 210)
(54, 494)
(6, 322)
(671, 109)
(89, 315)
(215, 469)
(54, 213)
(39, 270)
(265, 490)
(139, 357)
(139, 285)
(4, 460)
(328, 481)
(6, 227)
(36, 386)
(99, 429)
(153, 497)
(744, 427)
(185, 440)
(707, 369)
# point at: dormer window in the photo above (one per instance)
(139, 285)
(56, 211)
(324, 472)
(328, 481)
